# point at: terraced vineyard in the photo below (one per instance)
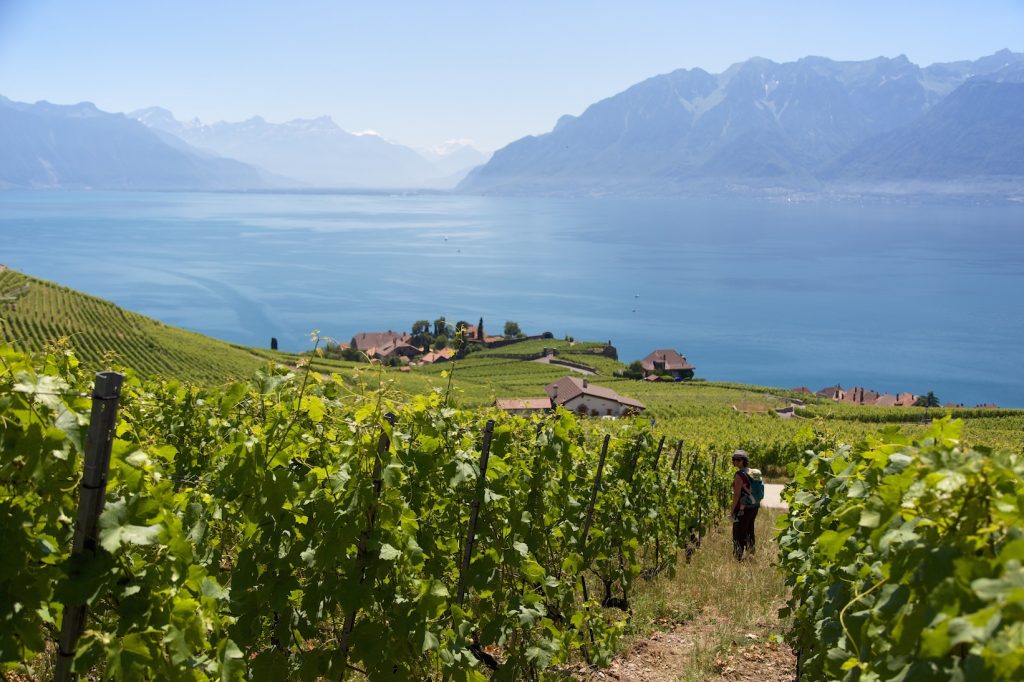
(37, 313)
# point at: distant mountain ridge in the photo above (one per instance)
(50, 146)
(762, 125)
(317, 152)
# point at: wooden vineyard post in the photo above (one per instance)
(675, 459)
(675, 474)
(590, 511)
(362, 558)
(474, 511)
(657, 455)
(714, 469)
(657, 533)
(106, 397)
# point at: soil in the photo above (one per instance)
(663, 656)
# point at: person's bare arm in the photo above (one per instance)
(737, 488)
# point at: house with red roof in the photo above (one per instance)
(667, 361)
(584, 398)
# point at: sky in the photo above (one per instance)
(421, 73)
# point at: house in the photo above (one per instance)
(524, 406)
(667, 361)
(836, 392)
(443, 355)
(860, 396)
(584, 398)
(886, 400)
(398, 349)
(364, 341)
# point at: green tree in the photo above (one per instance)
(441, 327)
(421, 336)
(440, 341)
(929, 399)
(635, 370)
(512, 329)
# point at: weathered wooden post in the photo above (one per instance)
(362, 554)
(474, 511)
(693, 463)
(590, 511)
(657, 455)
(106, 397)
(661, 488)
(675, 459)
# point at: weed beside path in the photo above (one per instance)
(716, 620)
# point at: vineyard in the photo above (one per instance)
(715, 416)
(307, 527)
(905, 560)
(36, 313)
(328, 518)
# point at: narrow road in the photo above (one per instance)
(773, 496)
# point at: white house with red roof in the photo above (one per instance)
(583, 397)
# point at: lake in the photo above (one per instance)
(891, 297)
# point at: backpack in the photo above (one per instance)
(754, 493)
(748, 496)
(756, 485)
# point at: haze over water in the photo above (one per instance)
(893, 298)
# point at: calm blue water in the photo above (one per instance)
(913, 298)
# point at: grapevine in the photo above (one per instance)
(307, 527)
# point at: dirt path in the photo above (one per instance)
(716, 620)
(664, 656)
(773, 496)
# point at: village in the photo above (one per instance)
(440, 342)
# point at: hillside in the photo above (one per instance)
(36, 313)
(977, 130)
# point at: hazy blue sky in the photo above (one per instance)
(424, 72)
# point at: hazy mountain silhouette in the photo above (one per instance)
(978, 130)
(78, 146)
(316, 152)
(763, 124)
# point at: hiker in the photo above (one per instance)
(744, 506)
(757, 488)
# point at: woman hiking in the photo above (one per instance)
(744, 506)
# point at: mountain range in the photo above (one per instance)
(318, 153)
(814, 124)
(51, 146)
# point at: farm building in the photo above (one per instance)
(582, 397)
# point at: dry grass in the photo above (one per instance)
(717, 619)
